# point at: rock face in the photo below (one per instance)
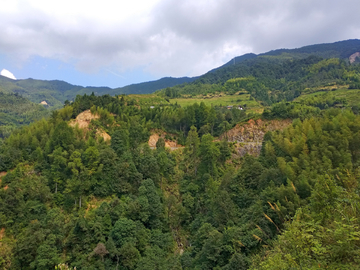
(83, 120)
(249, 136)
(160, 134)
(352, 57)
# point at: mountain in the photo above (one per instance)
(284, 74)
(235, 67)
(55, 92)
(235, 60)
(341, 49)
(152, 86)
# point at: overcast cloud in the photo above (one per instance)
(167, 37)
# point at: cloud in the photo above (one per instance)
(7, 74)
(167, 37)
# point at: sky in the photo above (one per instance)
(117, 43)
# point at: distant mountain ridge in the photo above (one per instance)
(55, 92)
(152, 86)
(341, 49)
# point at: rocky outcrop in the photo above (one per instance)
(83, 120)
(173, 145)
(249, 136)
(352, 57)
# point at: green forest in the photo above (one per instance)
(270, 81)
(73, 198)
(16, 111)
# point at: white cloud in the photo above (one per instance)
(167, 37)
(7, 74)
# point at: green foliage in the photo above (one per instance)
(70, 197)
(324, 64)
(16, 111)
(208, 155)
(323, 235)
(120, 141)
(277, 75)
(284, 110)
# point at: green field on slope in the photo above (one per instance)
(222, 100)
(351, 97)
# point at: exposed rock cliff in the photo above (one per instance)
(83, 120)
(173, 145)
(249, 136)
(352, 57)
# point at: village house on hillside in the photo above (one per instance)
(229, 107)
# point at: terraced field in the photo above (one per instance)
(351, 96)
(222, 100)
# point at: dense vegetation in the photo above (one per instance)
(152, 86)
(170, 117)
(67, 196)
(16, 111)
(70, 197)
(270, 81)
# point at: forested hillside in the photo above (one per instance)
(68, 196)
(269, 81)
(83, 188)
(150, 87)
(341, 49)
(278, 75)
(16, 111)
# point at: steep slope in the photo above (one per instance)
(152, 86)
(237, 66)
(249, 136)
(83, 121)
(279, 75)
